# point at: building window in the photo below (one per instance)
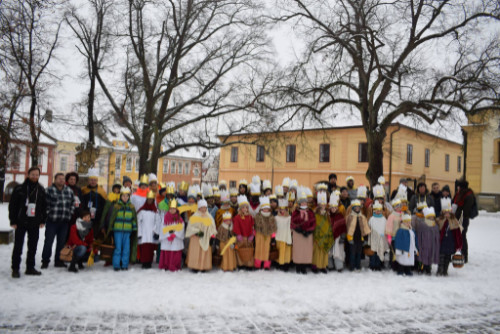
(363, 152)
(128, 165)
(196, 171)
(459, 164)
(136, 162)
(260, 153)
(40, 158)
(179, 168)
(290, 153)
(187, 168)
(427, 157)
(76, 166)
(447, 162)
(63, 163)
(173, 165)
(234, 154)
(118, 162)
(409, 154)
(16, 158)
(232, 184)
(165, 166)
(324, 153)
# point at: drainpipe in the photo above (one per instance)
(390, 159)
(464, 147)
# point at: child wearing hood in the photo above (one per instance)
(80, 239)
(172, 239)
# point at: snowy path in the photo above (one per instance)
(98, 300)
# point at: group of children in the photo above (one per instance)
(231, 229)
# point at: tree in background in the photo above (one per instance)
(429, 60)
(186, 67)
(29, 38)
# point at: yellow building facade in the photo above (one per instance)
(483, 158)
(311, 155)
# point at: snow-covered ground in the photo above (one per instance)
(98, 300)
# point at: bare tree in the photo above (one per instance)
(384, 60)
(29, 39)
(93, 43)
(184, 71)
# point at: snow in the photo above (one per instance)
(100, 300)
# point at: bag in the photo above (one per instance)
(368, 251)
(457, 260)
(474, 211)
(245, 253)
(107, 250)
(66, 254)
(274, 254)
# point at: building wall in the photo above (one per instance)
(19, 173)
(344, 142)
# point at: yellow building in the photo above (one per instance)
(483, 158)
(310, 155)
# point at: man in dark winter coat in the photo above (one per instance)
(72, 181)
(94, 200)
(60, 207)
(464, 201)
(436, 197)
(27, 214)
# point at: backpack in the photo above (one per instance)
(474, 211)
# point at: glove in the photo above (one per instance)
(306, 233)
(200, 234)
(171, 231)
(299, 230)
(239, 237)
(389, 238)
(250, 238)
(171, 237)
(156, 236)
(351, 242)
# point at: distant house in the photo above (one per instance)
(483, 158)
(19, 161)
(310, 155)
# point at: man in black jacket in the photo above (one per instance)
(27, 214)
(464, 201)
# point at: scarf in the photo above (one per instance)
(83, 228)
(377, 215)
(148, 207)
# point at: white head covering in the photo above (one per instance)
(301, 194)
(377, 206)
(242, 200)
(286, 182)
(254, 189)
(294, 184)
(125, 190)
(321, 196)
(93, 172)
(429, 212)
(202, 203)
(362, 192)
(278, 190)
(206, 190)
(267, 185)
(402, 194)
(445, 204)
(264, 202)
(334, 199)
(224, 196)
(381, 180)
(349, 178)
(378, 191)
(232, 192)
(152, 178)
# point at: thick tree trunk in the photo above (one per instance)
(33, 132)
(375, 156)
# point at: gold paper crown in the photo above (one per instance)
(173, 203)
(291, 196)
(150, 194)
(184, 186)
(162, 185)
(144, 179)
(227, 215)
